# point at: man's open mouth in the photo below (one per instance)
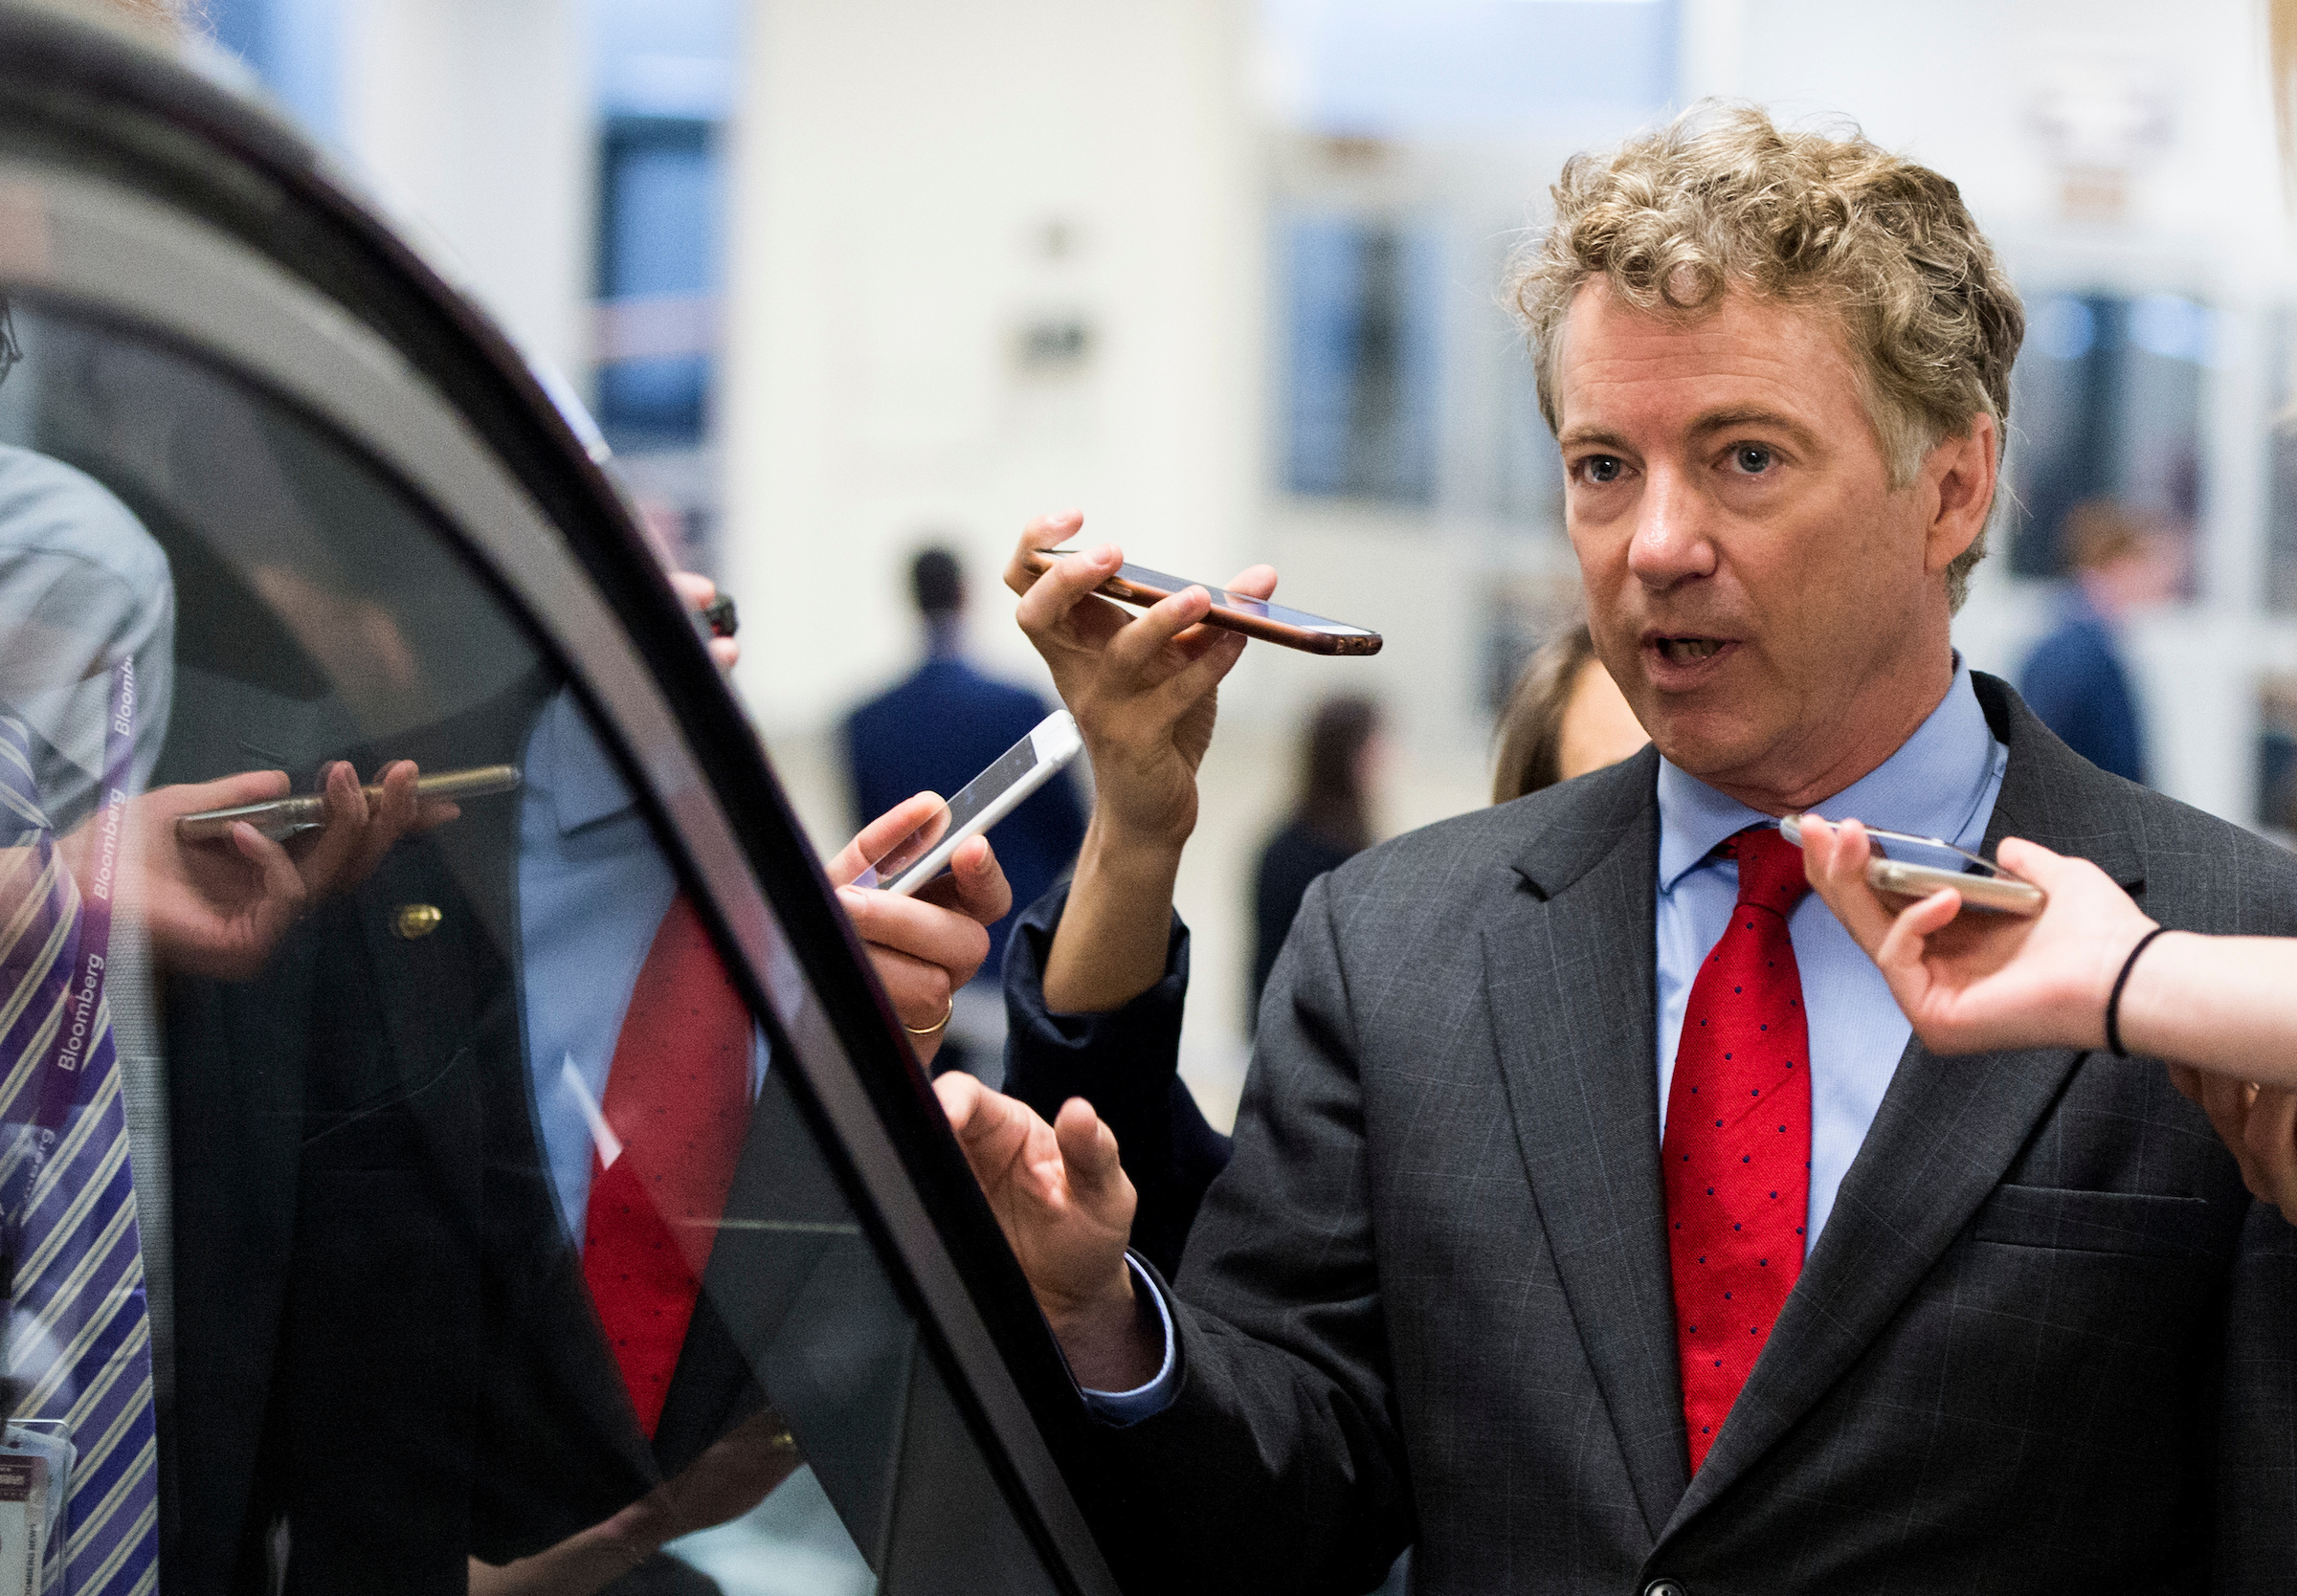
(1688, 651)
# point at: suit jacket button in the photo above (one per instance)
(412, 922)
(1665, 1587)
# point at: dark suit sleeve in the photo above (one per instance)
(1126, 1063)
(1278, 1467)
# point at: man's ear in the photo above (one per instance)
(1959, 474)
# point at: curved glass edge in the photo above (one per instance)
(106, 106)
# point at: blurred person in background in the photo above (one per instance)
(1330, 823)
(935, 732)
(1564, 717)
(2076, 679)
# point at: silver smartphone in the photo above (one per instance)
(1908, 866)
(985, 800)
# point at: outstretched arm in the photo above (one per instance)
(724, 1482)
(1971, 982)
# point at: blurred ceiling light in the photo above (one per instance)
(2100, 104)
(2100, 107)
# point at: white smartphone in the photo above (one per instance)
(987, 799)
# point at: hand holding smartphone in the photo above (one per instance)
(987, 799)
(1271, 623)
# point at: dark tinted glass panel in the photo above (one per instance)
(472, 1201)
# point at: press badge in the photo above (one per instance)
(35, 1469)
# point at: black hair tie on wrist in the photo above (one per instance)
(2113, 1003)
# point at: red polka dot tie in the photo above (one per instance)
(677, 1099)
(1737, 1149)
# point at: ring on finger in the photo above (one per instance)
(937, 1026)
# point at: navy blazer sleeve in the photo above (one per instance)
(1127, 1064)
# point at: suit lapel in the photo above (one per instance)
(1946, 1134)
(1569, 969)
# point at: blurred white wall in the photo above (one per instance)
(918, 188)
(474, 119)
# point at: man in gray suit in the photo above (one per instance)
(1576, 1127)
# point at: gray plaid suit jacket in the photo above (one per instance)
(2046, 1342)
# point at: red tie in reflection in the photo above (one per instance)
(677, 1097)
(1737, 1149)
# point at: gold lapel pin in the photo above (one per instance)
(412, 922)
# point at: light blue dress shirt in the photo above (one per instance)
(592, 889)
(1941, 782)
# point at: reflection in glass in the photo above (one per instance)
(477, 1218)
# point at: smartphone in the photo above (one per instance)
(987, 799)
(282, 818)
(1271, 623)
(2003, 894)
(1906, 866)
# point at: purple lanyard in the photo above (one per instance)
(60, 1077)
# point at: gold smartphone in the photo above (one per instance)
(282, 818)
(1908, 866)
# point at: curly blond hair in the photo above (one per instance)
(1725, 197)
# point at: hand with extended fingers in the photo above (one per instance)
(219, 908)
(1145, 690)
(1065, 1205)
(1142, 685)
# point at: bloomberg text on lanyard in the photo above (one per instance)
(78, 1348)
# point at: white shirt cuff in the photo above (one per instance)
(1142, 1402)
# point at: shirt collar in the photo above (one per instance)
(571, 772)
(1934, 785)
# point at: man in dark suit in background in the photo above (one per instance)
(2076, 679)
(1594, 1224)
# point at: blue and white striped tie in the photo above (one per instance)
(79, 1344)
